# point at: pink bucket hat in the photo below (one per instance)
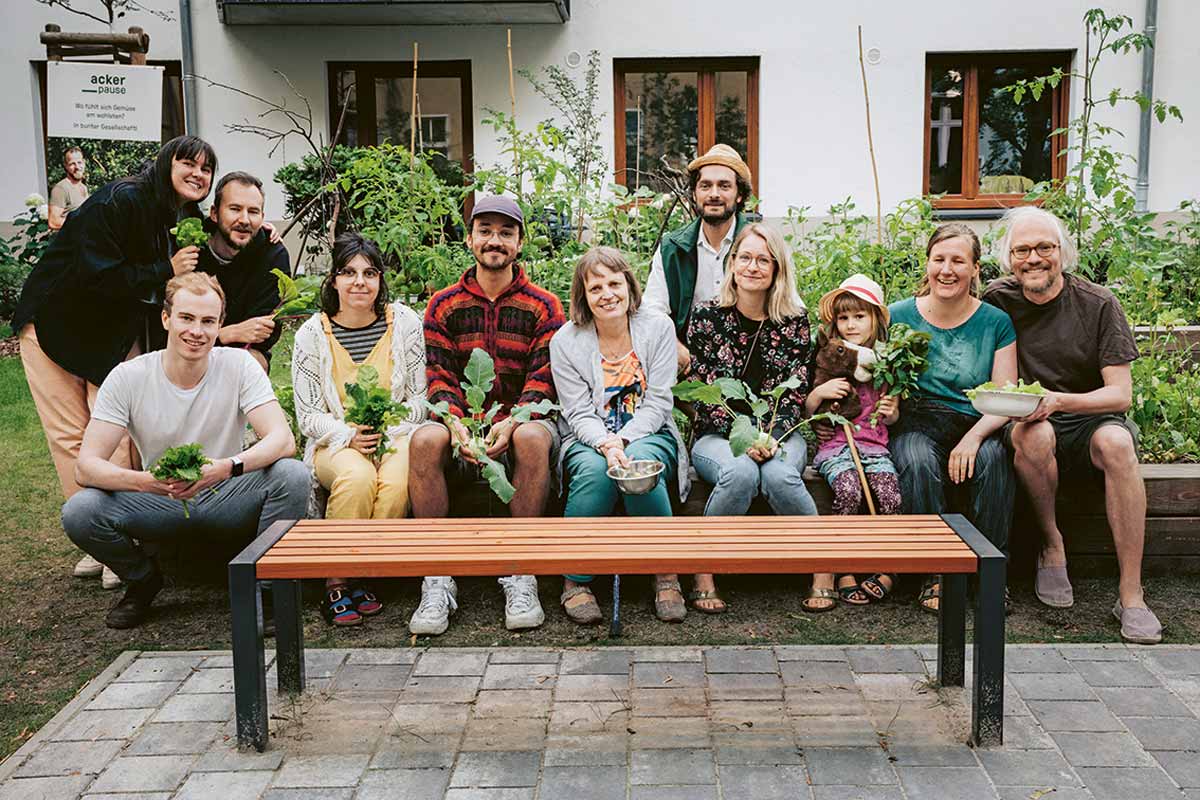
(861, 287)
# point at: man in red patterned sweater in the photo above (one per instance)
(493, 307)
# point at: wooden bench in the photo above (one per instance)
(289, 552)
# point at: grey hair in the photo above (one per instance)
(1066, 247)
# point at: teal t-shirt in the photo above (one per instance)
(959, 358)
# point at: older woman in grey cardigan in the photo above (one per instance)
(613, 368)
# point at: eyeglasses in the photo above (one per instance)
(368, 274)
(745, 260)
(1044, 249)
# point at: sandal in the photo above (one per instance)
(699, 596)
(671, 609)
(338, 609)
(583, 612)
(365, 603)
(819, 594)
(852, 595)
(875, 590)
(931, 596)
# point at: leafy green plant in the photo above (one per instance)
(899, 362)
(478, 379)
(190, 233)
(106, 160)
(373, 406)
(21, 251)
(1020, 387)
(181, 463)
(296, 295)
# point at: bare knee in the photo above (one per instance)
(428, 448)
(1112, 450)
(1034, 441)
(531, 440)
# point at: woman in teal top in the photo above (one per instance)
(942, 446)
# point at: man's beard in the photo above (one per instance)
(232, 245)
(508, 262)
(716, 219)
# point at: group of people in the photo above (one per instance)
(721, 302)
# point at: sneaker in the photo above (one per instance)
(134, 607)
(109, 579)
(87, 567)
(439, 599)
(522, 609)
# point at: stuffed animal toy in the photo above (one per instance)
(837, 358)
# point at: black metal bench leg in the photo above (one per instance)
(614, 628)
(987, 702)
(952, 630)
(289, 636)
(249, 669)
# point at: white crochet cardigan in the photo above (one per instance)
(319, 411)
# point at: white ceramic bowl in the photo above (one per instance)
(1006, 404)
(639, 477)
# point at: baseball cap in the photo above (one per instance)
(498, 204)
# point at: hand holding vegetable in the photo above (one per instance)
(371, 407)
(899, 362)
(184, 463)
(190, 233)
(185, 260)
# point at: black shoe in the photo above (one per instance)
(134, 607)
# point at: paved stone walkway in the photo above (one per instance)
(820, 723)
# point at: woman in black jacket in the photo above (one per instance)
(89, 302)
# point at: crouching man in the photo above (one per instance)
(189, 392)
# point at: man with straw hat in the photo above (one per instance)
(690, 262)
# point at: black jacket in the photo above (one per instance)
(99, 285)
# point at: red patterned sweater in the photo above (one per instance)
(514, 329)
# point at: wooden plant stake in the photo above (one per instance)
(512, 96)
(412, 139)
(862, 65)
(862, 475)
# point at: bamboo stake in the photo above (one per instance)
(412, 138)
(512, 96)
(862, 65)
(862, 475)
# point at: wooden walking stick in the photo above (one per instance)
(862, 475)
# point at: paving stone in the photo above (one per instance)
(143, 774)
(486, 769)
(745, 715)
(856, 793)
(592, 717)
(437, 689)
(403, 784)
(691, 702)
(1024, 733)
(449, 662)
(1073, 715)
(810, 652)
(669, 733)
(945, 783)
(848, 766)
(44, 788)
(1027, 768)
(672, 767)
(362, 705)
(1116, 673)
(596, 662)
(1165, 734)
(744, 686)
(371, 677)
(1059, 793)
(56, 759)
(393, 756)
(1034, 659)
(423, 719)
(835, 731)
(736, 659)
(678, 675)
(924, 722)
(584, 757)
(128, 796)
(906, 688)
(489, 794)
(523, 655)
(158, 670)
(330, 736)
(196, 708)
(1183, 767)
(767, 752)
(927, 756)
(823, 702)
(315, 771)
(323, 663)
(583, 688)
(205, 681)
(1173, 662)
(668, 654)
(762, 782)
(91, 725)
(816, 674)
(884, 659)
(174, 738)
(1102, 750)
(383, 655)
(1097, 652)
(225, 756)
(225, 785)
(505, 734)
(1133, 701)
(1052, 686)
(1127, 783)
(584, 783)
(326, 793)
(673, 793)
(512, 703)
(519, 676)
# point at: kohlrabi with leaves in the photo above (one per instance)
(190, 233)
(478, 379)
(747, 432)
(372, 405)
(182, 463)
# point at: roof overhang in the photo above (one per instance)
(392, 12)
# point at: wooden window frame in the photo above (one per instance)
(706, 70)
(970, 198)
(365, 73)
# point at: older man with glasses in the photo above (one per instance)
(1073, 338)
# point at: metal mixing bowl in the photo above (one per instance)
(639, 477)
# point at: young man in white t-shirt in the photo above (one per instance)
(189, 392)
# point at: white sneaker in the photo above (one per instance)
(87, 567)
(522, 609)
(109, 579)
(439, 599)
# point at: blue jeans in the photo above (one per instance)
(737, 480)
(105, 524)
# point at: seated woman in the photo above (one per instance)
(613, 369)
(940, 437)
(757, 332)
(356, 327)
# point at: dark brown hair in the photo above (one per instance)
(847, 303)
(744, 189)
(345, 248)
(243, 178)
(589, 262)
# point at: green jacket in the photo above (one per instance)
(678, 250)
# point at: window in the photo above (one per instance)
(676, 108)
(982, 150)
(379, 108)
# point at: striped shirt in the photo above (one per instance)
(359, 342)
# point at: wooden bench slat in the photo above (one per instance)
(764, 551)
(580, 541)
(629, 523)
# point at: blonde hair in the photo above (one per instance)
(783, 301)
(589, 263)
(196, 283)
(953, 230)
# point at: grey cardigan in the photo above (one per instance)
(579, 381)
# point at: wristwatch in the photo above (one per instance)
(238, 467)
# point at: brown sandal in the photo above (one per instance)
(820, 594)
(583, 612)
(671, 609)
(710, 594)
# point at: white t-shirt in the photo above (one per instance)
(138, 396)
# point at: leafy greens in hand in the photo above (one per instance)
(372, 405)
(181, 463)
(899, 362)
(190, 233)
(296, 295)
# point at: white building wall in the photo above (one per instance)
(812, 140)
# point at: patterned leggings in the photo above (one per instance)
(848, 496)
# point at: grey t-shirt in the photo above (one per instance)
(138, 396)
(68, 195)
